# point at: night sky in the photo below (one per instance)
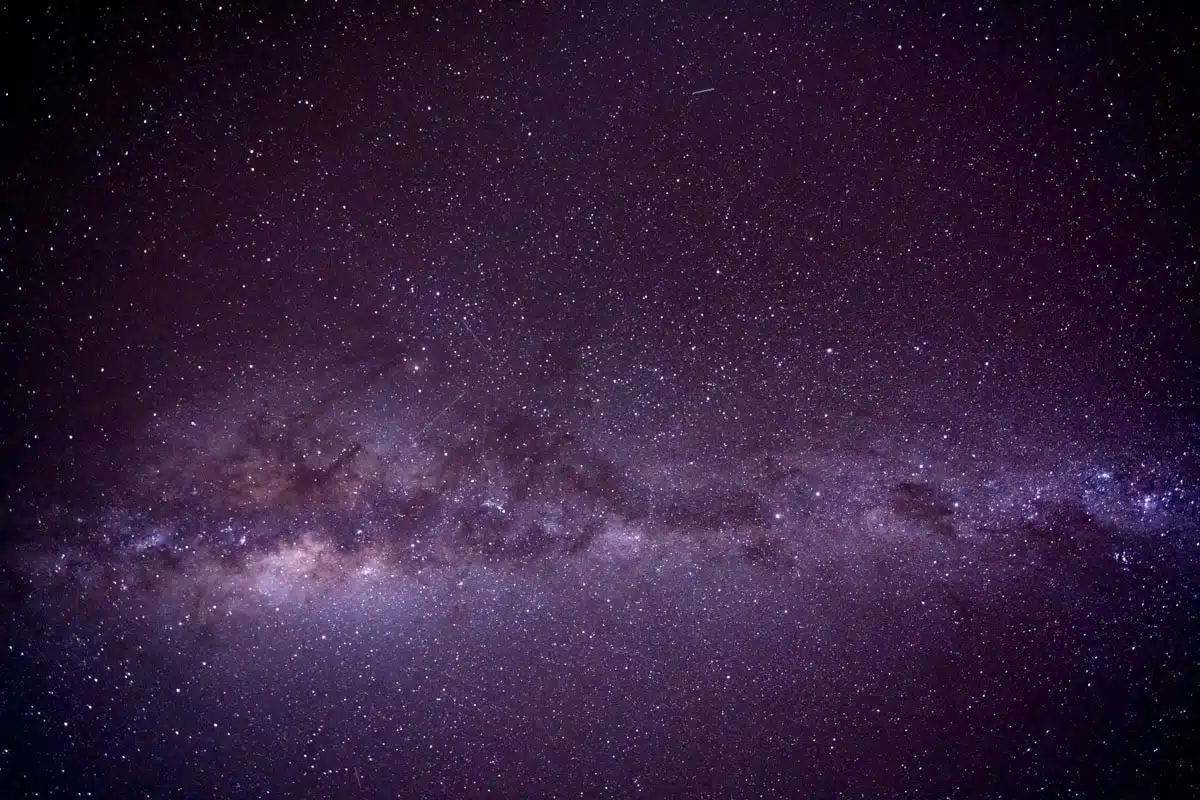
(665, 400)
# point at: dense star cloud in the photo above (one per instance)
(638, 402)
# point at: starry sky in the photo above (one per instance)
(655, 400)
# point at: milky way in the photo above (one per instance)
(639, 403)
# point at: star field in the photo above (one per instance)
(649, 401)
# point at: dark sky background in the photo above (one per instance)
(668, 399)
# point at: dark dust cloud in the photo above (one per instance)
(667, 400)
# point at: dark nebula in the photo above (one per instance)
(669, 401)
